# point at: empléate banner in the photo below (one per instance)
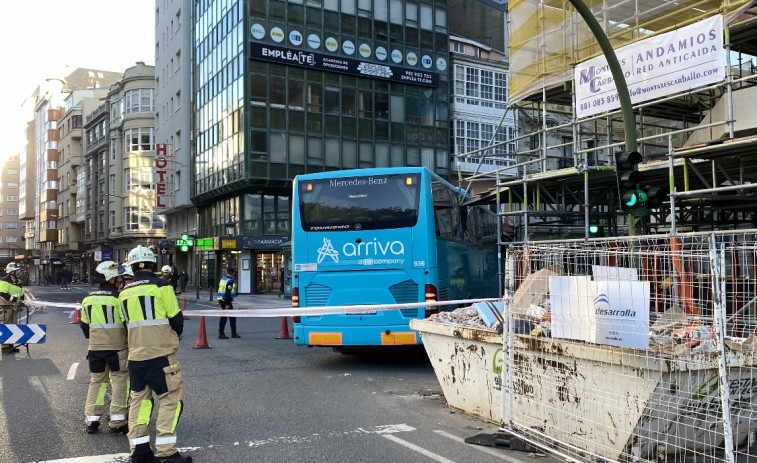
(669, 63)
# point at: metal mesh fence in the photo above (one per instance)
(634, 349)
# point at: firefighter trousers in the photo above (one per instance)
(102, 365)
(8, 316)
(161, 376)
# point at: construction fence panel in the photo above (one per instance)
(633, 349)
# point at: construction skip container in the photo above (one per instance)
(557, 391)
(688, 392)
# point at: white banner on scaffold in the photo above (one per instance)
(680, 60)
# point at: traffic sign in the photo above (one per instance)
(23, 334)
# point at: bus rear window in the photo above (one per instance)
(359, 203)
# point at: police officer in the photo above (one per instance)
(11, 300)
(103, 324)
(227, 291)
(154, 323)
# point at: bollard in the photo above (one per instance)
(184, 307)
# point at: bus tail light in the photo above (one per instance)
(296, 302)
(431, 296)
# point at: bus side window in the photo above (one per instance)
(445, 216)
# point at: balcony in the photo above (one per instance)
(48, 236)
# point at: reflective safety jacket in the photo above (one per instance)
(101, 319)
(227, 289)
(153, 319)
(11, 291)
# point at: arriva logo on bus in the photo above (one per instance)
(362, 249)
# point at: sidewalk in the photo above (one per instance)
(246, 301)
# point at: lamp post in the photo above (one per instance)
(231, 226)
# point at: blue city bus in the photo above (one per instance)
(384, 236)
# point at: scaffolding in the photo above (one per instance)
(701, 143)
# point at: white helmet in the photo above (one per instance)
(124, 269)
(141, 254)
(108, 269)
(12, 267)
(166, 268)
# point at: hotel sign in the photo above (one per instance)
(344, 65)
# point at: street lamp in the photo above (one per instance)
(231, 226)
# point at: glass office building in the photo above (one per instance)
(289, 87)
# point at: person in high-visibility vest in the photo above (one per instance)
(11, 300)
(227, 291)
(103, 324)
(154, 324)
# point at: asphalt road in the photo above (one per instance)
(257, 398)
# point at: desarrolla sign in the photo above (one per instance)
(334, 63)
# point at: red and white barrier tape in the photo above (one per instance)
(289, 311)
(328, 310)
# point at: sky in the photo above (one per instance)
(51, 38)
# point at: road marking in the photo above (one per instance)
(112, 458)
(498, 454)
(385, 431)
(72, 371)
(420, 450)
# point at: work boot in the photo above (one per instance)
(142, 454)
(235, 335)
(121, 429)
(222, 336)
(175, 458)
(92, 427)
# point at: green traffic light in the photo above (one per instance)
(593, 229)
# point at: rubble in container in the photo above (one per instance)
(672, 333)
(464, 316)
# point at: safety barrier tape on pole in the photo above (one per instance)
(363, 309)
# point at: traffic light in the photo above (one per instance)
(630, 188)
(596, 231)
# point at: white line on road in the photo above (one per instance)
(415, 448)
(72, 371)
(498, 454)
(385, 431)
(112, 458)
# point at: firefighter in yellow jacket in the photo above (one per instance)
(154, 323)
(103, 324)
(11, 300)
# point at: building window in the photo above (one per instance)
(12, 211)
(139, 101)
(11, 225)
(480, 87)
(141, 139)
(458, 47)
(138, 178)
(11, 198)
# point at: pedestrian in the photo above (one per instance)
(227, 291)
(174, 278)
(103, 324)
(11, 300)
(183, 280)
(65, 278)
(154, 324)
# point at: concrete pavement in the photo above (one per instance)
(246, 301)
